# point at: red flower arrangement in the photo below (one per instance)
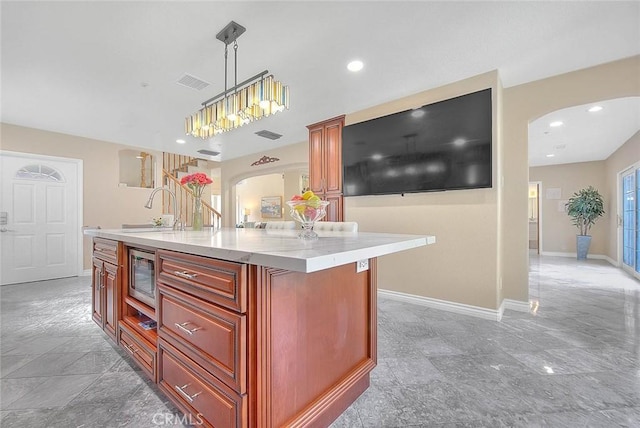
(196, 182)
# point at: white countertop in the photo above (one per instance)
(272, 248)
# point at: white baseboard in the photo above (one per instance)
(459, 308)
(86, 272)
(574, 255)
(515, 305)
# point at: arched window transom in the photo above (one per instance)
(39, 172)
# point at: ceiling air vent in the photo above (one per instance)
(208, 152)
(192, 82)
(268, 134)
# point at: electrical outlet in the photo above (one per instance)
(362, 265)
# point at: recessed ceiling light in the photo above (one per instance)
(556, 123)
(594, 109)
(550, 155)
(418, 113)
(180, 141)
(356, 65)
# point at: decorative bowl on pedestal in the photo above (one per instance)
(307, 213)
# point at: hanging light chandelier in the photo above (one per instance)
(260, 96)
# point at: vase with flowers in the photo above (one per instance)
(196, 183)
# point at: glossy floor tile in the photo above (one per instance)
(574, 361)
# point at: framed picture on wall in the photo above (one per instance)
(271, 207)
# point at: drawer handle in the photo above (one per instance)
(181, 389)
(182, 326)
(131, 349)
(185, 274)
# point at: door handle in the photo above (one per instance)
(4, 229)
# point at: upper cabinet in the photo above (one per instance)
(325, 164)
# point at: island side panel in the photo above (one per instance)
(316, 337)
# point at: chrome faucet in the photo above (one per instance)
(149, 204)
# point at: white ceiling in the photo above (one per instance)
(108, 70)
(583, 136)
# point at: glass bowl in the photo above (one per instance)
(307, 213)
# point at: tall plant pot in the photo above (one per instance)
(582, 245)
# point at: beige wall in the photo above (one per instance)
(292, 157)
(558, 233)
(104, 203)
(525, 103)
(623, 158)
(463, 265)
(251, 191)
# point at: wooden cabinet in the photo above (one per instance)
(210, 335)
(141, 350)
(202, 397)
(202, 331)
(106, 278)
(111, 286)
(325, 164)
(97, 295)
(217, 281)
(244, 345)
(137, 330)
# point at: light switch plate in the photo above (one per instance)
(362, 265)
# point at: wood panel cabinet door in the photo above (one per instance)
(333, 156)
(110, 289)
(325, 156)
(325, 164)
(97, 278)
(334, 209)
(316, 163)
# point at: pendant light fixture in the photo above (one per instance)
(260, 96)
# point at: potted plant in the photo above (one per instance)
(584, 208)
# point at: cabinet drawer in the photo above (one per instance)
(197, 393)
(212, 336)
(213, 280)
(140, 350)
(106, 249)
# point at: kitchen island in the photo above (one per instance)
(246, 327)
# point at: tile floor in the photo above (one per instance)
(575, 362)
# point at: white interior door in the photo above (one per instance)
(39, 224)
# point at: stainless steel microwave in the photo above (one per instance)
(142, 276)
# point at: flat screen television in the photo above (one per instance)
(437, 147)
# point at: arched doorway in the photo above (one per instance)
(246, 193)
(571, 149)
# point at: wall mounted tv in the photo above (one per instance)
(437, 147)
